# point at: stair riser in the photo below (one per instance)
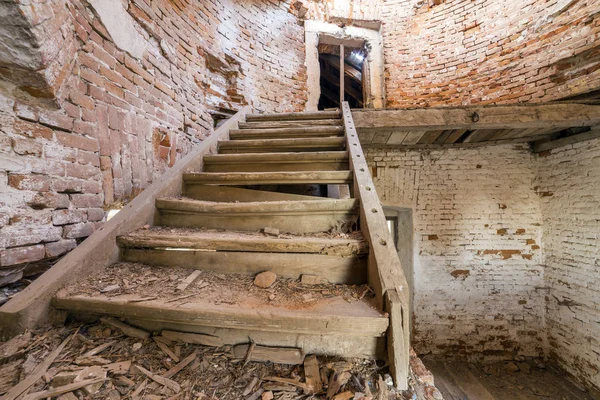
(294, 116)
(346, 346)
(231, 194)
(270, 178)
(277, 167)
(267, 135)
(299, 223)
(290, 124)
(341, 270)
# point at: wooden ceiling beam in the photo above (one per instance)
(535, 116)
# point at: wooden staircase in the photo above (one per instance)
(214, 223)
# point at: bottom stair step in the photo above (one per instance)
(228, 303)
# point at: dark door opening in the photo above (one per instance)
(353, 67)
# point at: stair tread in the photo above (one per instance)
(251, 178)
(257, 207)
(224, 300)
(300, 132)
(222, 240)
(277, 157)
(293, 116)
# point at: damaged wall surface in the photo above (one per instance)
(506, 254)
(130, 92)
(485, 51)
(477, 259)
(569, 178)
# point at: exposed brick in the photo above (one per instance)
(59, 248)
(25, 146)
(21, 255)
(87, 200)
(40, 183)
(81, 230)
(95, 214)
(64, 217)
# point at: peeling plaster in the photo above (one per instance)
(121, 26)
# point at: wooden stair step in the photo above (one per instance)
(220, 240)
(234, 194)
(269, 178)
(249, 162)
(220, 301)
(302, 132)
(289, 124)
(335, 260)
(294, 116)
(287, 216)
(282, 145)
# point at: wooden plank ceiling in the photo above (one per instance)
(471, 126)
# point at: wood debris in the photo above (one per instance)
(189, 280)
(279, 355)
(174, 386)
(311, 372)
(193, 338)
(98, 364)
(126, 329)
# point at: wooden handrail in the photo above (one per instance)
(385, 273)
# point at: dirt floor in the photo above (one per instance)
(115, 366)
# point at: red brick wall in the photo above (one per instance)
(487, 51)
(121, 121)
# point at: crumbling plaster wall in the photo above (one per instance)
(487, 51)
(127, 108)
(506, 255)
(569, 178)
(477, 260)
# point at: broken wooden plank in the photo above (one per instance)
(128, 330)
(289, 381)
(189, 280)
(174, 386)
(311, 373)
(99, 349)
(37, 373)
(278, 355)
(63, 389)
(184, 363)
(118, 368)
(336, 381)
(193, 338)
(166, 350)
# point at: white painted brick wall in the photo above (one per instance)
(478, 273)
(569, 179)
(482, 218)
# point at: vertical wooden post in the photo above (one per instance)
(341, 74)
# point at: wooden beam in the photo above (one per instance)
(562, 115)
(538, 147)
(385, 273)
(342, 64)
(348, 70)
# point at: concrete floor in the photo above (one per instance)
(460, 380)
